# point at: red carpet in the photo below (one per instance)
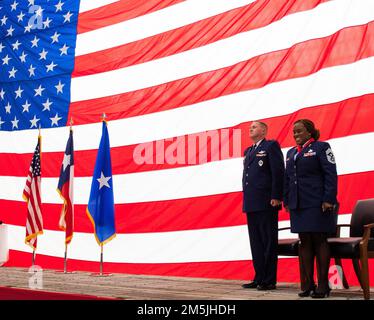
(27, 294)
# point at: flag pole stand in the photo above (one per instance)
(65, 258)
(101, 273)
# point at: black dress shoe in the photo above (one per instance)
(251, 285)
(307, 293)
(320, 295)
(263, 287)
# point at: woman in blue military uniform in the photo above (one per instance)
(310, 196)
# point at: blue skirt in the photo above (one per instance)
(313, 220)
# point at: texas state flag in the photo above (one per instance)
(66, 190)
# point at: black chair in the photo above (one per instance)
(360, 245)
(290, 247)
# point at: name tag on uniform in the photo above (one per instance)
(261, 153)
(310, 153)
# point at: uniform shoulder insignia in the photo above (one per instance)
(330, 156)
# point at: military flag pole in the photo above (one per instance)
(101, 245)
(66, 245)
(102, 216)
(65, 190)
(101, 259)
(34, 250)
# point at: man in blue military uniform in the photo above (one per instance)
(262, 195)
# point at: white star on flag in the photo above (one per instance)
(20, 16)
(23, 56)
(12, 73)
(18, 92)
(38, 91)
(66, 161)
(55, 37)
(26, 106)
(16, 45)
(14, 6)
(59, 87)
(34, 42)
(7, 108)
(47, 105)
(6, 60)
(59, 6)
(67, 17)
(14, 123)
(34, 122)
(43, 55)
(39, 12)
(28, 28)
(64, 50)
(55, 120)
(31, 71)
(3, 20)
(51, 66)
(47, 22)
(103, 181)
(10, 31)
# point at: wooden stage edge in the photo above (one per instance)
(146, 287)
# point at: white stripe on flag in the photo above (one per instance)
(204, 245)
(86, 5)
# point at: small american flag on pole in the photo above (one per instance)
(31, 194)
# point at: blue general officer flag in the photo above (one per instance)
(100, 208)
(37, 49)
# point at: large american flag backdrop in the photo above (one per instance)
(163, 70)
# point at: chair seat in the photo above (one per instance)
(288, 247)
(347, 247)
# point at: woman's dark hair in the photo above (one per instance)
(309, 126)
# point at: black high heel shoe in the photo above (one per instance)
(307, 293)
(321, 295)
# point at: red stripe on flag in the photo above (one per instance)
(187, 213)
(119, 11)
(288, 269)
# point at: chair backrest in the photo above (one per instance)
(363, 213)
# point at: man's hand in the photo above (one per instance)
(275, 202)
(327, 206)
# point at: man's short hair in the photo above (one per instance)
(263, 124)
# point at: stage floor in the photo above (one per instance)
(139, 287)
